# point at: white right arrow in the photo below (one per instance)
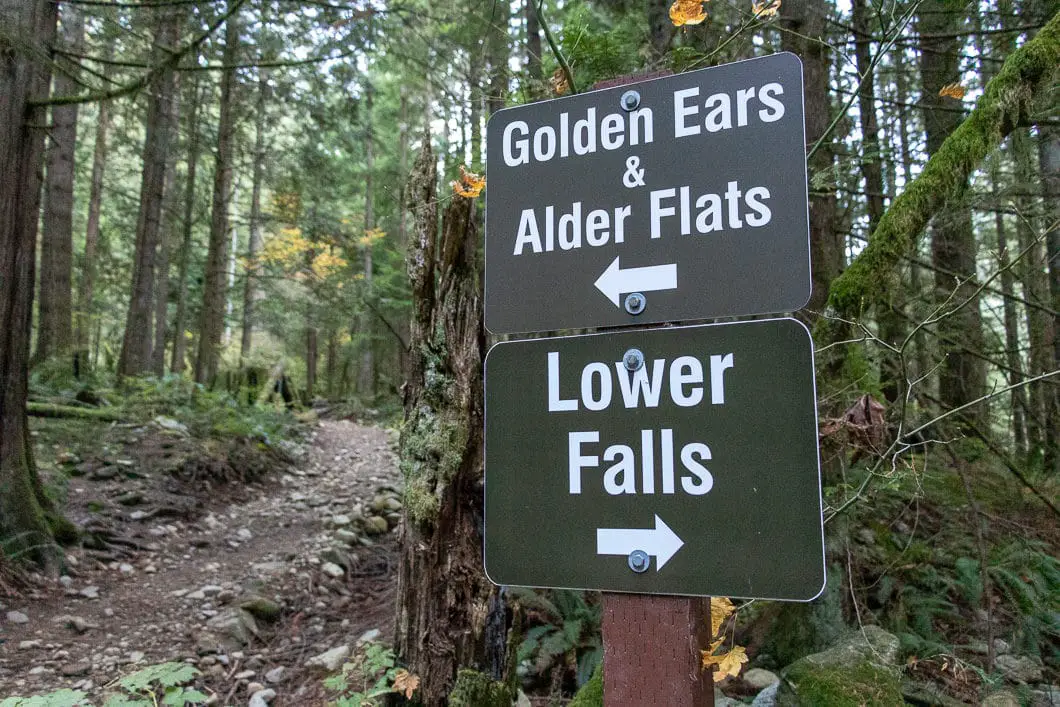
(615, 280)
(659, 542)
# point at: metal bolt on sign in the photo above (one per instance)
(639, 561)
(633, 360)
(635, 303)
(630, 100)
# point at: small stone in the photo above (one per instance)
(374, 525)
(28, 645)
(369, 636)
(332, 570)
(135, 657)
(196, 595)
(759, 679)
(244, 534)
(261, 698)
(76, 670)
(339, 521)
(245, 674)
(103, 473)
(330, 660)
(347, 537)
(261, 608)
(17, 617)
(130, 498)
(138, 515)
(67, 581)
(253, 687)
(126, 568)
(212, 590)
(90, 592)
(276, 675)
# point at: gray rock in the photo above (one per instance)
(254, 687)
(90, 592)
(131, 498)
(261, 698)
(330, 660)
(338, 521)
(347, 537)
(103, 473)
(171, 425)
(236, 626)
(1019, 668)
(869, 653)
(767, 697)
(28, 645)
(1046, 696)
(759, 679)
(1001, 698)
(369, 636)
(332, 570)
(276, 675)
(17, 617)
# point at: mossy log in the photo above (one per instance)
(68, 411)
(1006, 104)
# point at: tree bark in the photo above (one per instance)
(444, 598)
(55, 321)
(166, 237)
(533, 52)
(137, 342)
(214, 297)
(250, 287)
(366, 373)
(962, 376)
(86, 285)
(181, 321)
(24, 77)
(805, 20)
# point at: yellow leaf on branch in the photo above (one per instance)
(687, 12)
(766, 8)
(720, 610)
(953, 90)
(725, 664)
(558, 82)
(469, 185)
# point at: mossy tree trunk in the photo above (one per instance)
(24, 77)
(962, 377)
(1007, 102)
(444, 596)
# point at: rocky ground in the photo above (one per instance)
(263, 586)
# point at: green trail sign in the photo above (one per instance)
(678, 198)
(667, 461)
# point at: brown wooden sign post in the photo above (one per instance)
(652, 647)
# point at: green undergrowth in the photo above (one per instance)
(917, 549)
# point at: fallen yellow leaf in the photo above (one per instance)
(406, 682)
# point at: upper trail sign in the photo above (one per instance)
(689, 190)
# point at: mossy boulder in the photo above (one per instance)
(473, 689)
(858, 671)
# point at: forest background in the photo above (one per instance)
(220, 193)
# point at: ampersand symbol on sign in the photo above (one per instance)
(633, 177)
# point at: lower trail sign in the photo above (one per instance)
(667, 461)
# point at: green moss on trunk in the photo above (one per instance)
(473, 689)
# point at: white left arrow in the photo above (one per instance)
(660, 542)
(614, 281)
